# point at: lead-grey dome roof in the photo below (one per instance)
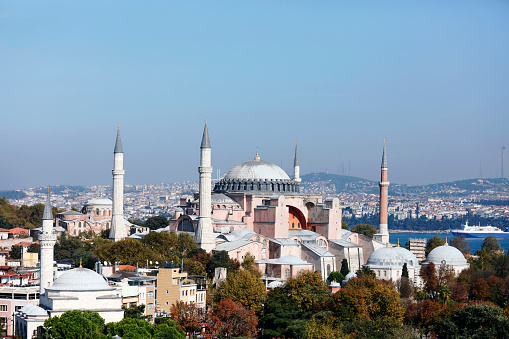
(257, 169)
(80, 279)
(392, 257)
(448, 255)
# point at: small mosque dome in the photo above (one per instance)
(447, 255)
(348, 277)
(257, 169)
(392, 257)
(80, 279)
(99, 201)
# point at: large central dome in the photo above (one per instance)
(257, 176)
(257, 169)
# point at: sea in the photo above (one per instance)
(475, 243)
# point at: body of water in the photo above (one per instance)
(475, 243)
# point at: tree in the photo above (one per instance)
(365, 271)
(381, 299)
(348, 304)
(480, 290)
(424, 315)
(433, 243)
(128, 252)
(344, 267)
(15, 252)
(219, 259)
(429, 277)
(365, 229)
(459, 293)
(404, 271)
(474, 321)
(75, 325)
(231, 319)
(325, 328)
(460, 243)
(496, 291)
(344, 225)
(490, 244)
(187, 316)
(157, 222)
(135, 312)
(34, 248)
(131, 328)
(405, 287)
(243, 286)
(336, 276)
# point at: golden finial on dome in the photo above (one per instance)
(446, 243)
(398, 242)
(257, 158)
(81, 263)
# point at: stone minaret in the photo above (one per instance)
(118, 229)
(47, 240)
(296, 167)
(204, 234)
(383, 232)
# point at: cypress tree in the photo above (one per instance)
(344, 267)
(404, 272)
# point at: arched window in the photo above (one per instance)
(264, 243)
(293, 225)
(287, 273)
(328, 269)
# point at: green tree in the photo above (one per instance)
(336, 276)
(433, 243)
(157, 222)
(75, 325)
(404, 271)
(365, 271)
(344, 225)
(365, 229)
(127, 252)
(460, 243)
(491, 244)
(135, 312)
(344, 267)
(243, 286)
(15, 252)
(474, 321)
(219, 259)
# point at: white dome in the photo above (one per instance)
(392, 257)
(80, 279)
(99, 201)
(257, 169)
(447, 255)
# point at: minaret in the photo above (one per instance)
(296, 167)
(383, 232)
(118, 229)
(204, 233)
(47, 240)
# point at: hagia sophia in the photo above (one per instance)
(255, 208)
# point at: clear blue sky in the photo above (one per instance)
(430, 76)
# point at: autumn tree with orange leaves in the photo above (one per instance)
(187, 316)
(231, 319)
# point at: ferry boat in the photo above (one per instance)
(481, 231)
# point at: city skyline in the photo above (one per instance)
(340, 77)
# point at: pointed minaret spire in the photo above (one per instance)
(118, 230)
(118, 143)
(204, 233)
(47, 240)
(205, 141)
(47, 214)
(296, 166)
(384, 157)
(383, 229)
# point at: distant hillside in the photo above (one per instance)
(12, 194)
(335, 183)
